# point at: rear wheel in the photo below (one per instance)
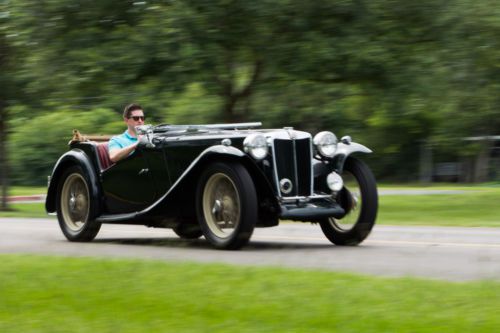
(75, 206)
(226, 205)
(359, 199)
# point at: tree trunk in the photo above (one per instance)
(425, 162)
(4, 176)
(467, 170)
(232, 97)
(229, 104)
(482, 163)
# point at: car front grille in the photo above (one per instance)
(293, 161)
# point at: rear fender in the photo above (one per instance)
(70, 158)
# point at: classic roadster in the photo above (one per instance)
(219, 181)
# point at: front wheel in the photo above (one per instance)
(359, 199)
(226, 205)
(75, 206)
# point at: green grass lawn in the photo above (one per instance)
(27, 190)
(51, 294)
(475, 207)
(26, 210)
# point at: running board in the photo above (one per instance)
(116, 217)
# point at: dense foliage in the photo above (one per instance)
(394, 75)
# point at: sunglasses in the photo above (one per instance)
(136, 118)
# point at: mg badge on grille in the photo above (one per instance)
(286, 185)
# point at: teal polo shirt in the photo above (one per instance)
(121, 141)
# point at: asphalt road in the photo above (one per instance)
(445, 253)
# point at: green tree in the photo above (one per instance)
(391, 73)
(9, 86)
(471, 103)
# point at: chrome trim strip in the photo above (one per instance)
(295, 166)
(232, 126)
(312, 170)
(275, 169)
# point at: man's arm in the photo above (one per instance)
(117, 154)
(118, 149)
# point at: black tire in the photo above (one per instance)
(76, 207)
(188, 231)
(360, 200)
(226, 205)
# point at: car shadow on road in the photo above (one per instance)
(257, 245)
(156, 241)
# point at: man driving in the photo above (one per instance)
(120, 146)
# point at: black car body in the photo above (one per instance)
(219, 181)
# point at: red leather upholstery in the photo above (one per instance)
(102, 152)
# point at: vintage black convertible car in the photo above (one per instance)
(220, 181)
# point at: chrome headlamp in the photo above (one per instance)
(256, 146)
(326, 143)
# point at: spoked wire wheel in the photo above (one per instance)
(75, 202)
(359, 199)
(221, 205)
(75, 206)
(226, 205)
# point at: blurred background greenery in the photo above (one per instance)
(417, 82)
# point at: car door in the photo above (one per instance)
(128, 185)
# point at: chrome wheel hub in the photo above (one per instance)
(72, 203)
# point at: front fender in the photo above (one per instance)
(336, 163)
(344, 150)
(68, 159)
(353, 147)
(186, 184)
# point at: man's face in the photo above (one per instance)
(136, 118)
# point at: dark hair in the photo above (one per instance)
(129, 108)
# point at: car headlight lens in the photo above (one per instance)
(256, 146)
(326, 142)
